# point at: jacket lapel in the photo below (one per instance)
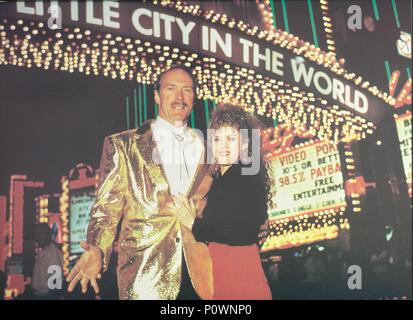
(147, 147)
(200, 173)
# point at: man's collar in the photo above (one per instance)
(161, 123)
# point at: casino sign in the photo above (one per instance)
(270, 72)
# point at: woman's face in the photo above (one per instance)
(226, 145)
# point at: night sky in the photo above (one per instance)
(50, 121)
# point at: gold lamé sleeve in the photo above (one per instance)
(107, 210)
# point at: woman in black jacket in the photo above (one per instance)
(236, 206)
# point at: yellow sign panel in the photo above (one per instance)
(307, 179)
(404, 130)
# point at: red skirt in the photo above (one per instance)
(238, 273)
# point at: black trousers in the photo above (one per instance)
(186, 291)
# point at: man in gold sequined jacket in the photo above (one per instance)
(141, 170)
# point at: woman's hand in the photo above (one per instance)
(184, 209)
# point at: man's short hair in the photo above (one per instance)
(173, 67)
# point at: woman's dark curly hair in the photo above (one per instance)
(237, 117)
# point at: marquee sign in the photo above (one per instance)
(404, 131)
(81, 201)
(165, 26)
(307, 179)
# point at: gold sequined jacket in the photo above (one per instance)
(133, 190)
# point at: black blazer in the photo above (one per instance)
(236, 208)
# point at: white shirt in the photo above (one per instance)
(180, 150)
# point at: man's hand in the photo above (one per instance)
(87, 268)
(263, 235)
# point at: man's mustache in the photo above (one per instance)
(180, 104)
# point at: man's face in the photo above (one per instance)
(175, 97)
